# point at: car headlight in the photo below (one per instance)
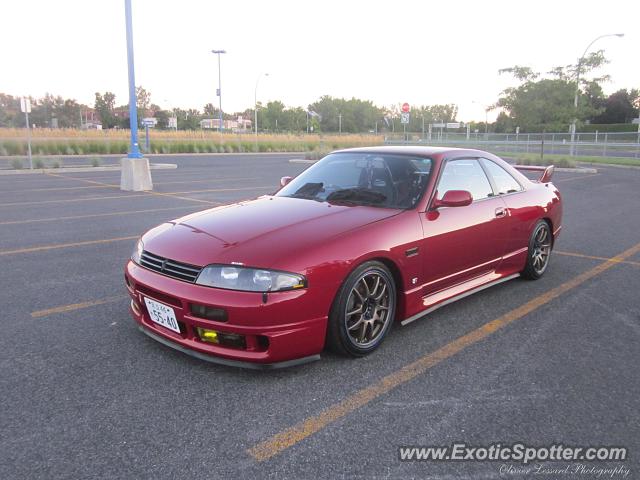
(249, 279)
(137, 252)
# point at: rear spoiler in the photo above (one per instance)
(546, 175)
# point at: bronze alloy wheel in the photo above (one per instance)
(367, 311)
(541, 249)
(540, 245)
(363, 311)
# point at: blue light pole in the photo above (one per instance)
(134, 149)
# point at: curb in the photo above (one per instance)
(577, 170)
(114, 168)
(120, 155)
(614, 165)
(301, 160)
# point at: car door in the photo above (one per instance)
(463, 242)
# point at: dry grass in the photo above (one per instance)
(82, 142)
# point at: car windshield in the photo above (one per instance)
(374, 179)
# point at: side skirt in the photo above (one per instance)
(458, 297)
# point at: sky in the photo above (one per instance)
(420, 52)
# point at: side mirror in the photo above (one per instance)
(285, 180)
(454, 198)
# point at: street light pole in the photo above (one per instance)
(255, 106)
(134, 149)
(220, 127)
(577, 93)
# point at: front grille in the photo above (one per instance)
(170, 268)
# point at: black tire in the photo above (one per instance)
(375, 316)
(540, 245)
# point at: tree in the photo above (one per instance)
(163, 119)
(10, 111)
(619, 107)
(143, 102)
(539, 103)
(104, 106)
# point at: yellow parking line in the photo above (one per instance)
(75, 306)
(220, 179)
(65, 245)
(59, 189)
(173, 194)
(72, 200)
(94, 215)
(593, 257)
(307, 427)
(576, 178)
(106, 185)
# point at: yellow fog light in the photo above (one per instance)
(207, 335)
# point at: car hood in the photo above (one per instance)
(257, 232)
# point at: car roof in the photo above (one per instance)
(421, 151)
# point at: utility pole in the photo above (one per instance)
(219, 92)
(255, 107)
(340, 124)
(25, 106)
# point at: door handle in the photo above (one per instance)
(501, 212)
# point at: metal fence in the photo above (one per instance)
(610, 144)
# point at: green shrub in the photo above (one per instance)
(38, 163)
(95, 162)
(16, 164)
(56, 164)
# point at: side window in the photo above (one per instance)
(466, 175)
(504, 181)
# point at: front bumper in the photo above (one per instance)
(289, 328)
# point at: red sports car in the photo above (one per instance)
(362, 239)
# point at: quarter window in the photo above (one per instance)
(466, 175)
(503, 179)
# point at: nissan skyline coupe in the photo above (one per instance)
(363, 239)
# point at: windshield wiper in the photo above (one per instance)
(357, 195)
(308, 191)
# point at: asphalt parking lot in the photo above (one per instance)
(85, 395)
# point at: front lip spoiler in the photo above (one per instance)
(226, 361)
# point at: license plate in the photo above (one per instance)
(162, 314)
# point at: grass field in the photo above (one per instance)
(67, 142)
(566, 160)
(87, 142)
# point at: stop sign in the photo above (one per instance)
(406, 107)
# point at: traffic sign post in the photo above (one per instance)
(25, 106)
(147, 123)
(404, 118)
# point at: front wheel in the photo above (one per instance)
(363, 310)
(539, 251)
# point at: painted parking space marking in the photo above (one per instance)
(96, 215)
(56, 246)
(295, 434)
(179, 195)
(76, 306)
(593, 257)
(72, 200)
(579, 177)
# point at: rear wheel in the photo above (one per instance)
(363, 310)
(539, 251)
